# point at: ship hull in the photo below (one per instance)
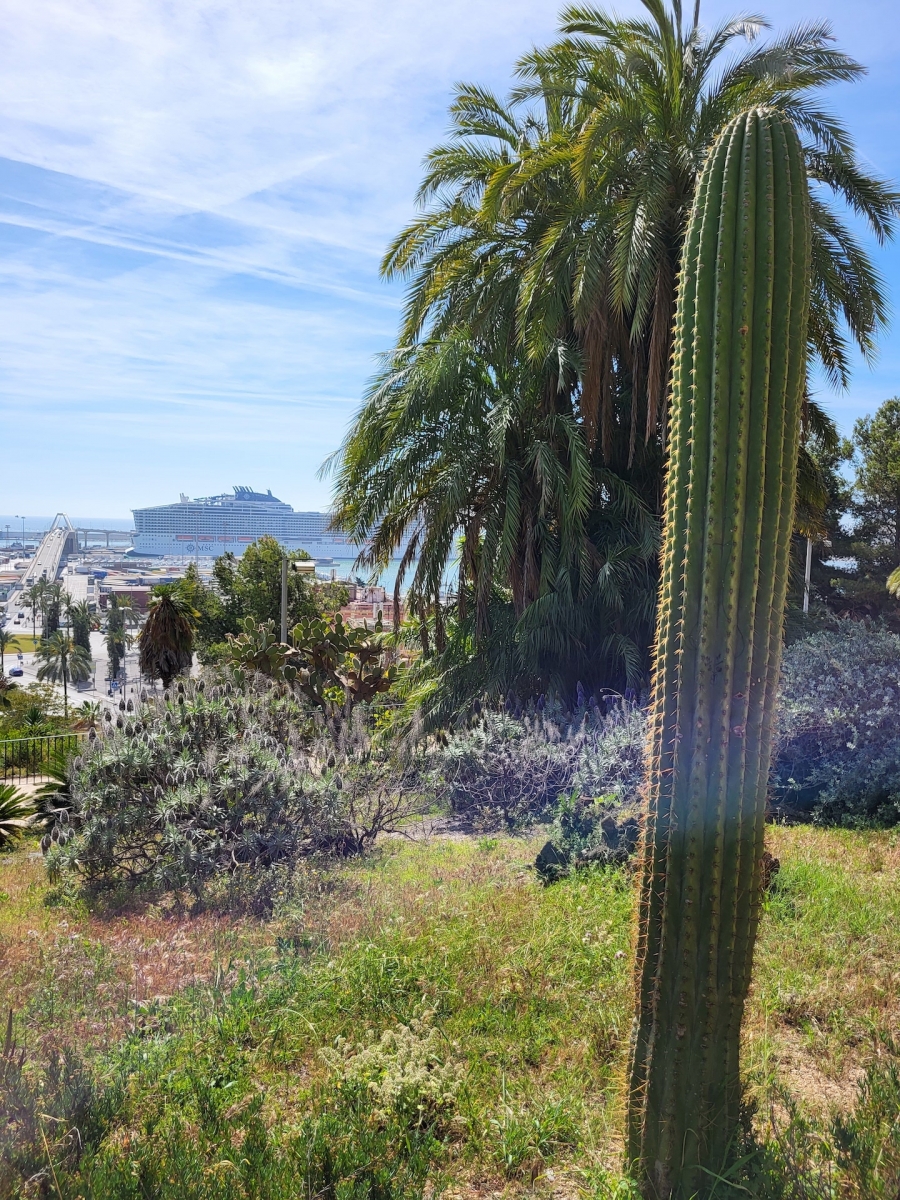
(208, 528)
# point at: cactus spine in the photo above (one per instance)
(737, 386)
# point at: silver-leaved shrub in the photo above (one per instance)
(508, 772)
(211, 782)
(839, 749)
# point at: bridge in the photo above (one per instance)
(86, 537)
(60, 540)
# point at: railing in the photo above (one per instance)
(27, 758)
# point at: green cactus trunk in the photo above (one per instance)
(737, 387)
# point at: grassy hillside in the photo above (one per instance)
(243, 1057)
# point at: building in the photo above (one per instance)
(127, 594)
(208, 527)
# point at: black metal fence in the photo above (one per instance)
(27, 758)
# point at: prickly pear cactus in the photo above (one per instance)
(738, 380)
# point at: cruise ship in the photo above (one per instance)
(208, 527)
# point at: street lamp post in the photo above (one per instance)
(284, 595)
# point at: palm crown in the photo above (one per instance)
(525, 405)
(63, 661)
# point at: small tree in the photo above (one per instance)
(167, 639)
(62, 661)
(250, 586)
(876, 497)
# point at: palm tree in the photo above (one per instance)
(524, 407)
(33, 598)
(62, 661)
(54, 599)
(167, 639)
(7, 642)
(117, 639)
(563, 211)
(16, 814)
(88, 714)
(81, 621)
(522, 478)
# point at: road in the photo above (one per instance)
(96, 691)
(46, 562)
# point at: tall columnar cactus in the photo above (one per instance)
(737, 387)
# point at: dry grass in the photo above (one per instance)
(78, 977)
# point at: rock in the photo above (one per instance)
(551, 863)
(770, 866)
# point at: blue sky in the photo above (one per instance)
(194, 198)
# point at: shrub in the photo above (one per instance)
(212, 782)
(853, 1154)
(181, 789)
(510, 771)
(839, 750)
(585, 831)
(48, 1118)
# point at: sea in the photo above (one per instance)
(35, 523)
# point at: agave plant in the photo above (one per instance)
(16, 814)
(34, 717)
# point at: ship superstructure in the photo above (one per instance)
(209, 526)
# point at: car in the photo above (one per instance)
(17, 671)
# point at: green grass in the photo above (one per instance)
(827, 975)
(237, 1083)
(26, 642)
(505, 973)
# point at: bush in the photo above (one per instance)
(211, 782)
(586, 831)
(839, 749)
(16, 814)
(507, 772)
(853, 1154)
